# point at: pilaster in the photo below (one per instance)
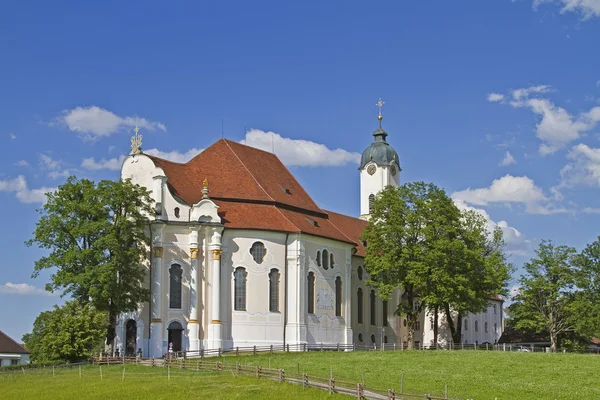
(193, 324)
(156, 324)
(215, 329)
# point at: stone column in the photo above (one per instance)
(193, 326)
(215, 329)
(156, 326)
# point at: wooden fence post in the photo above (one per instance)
(258, 372)
(391, 394)
(237, 368)
(288, 347)
(271, 349)
(237, 350)
(254, 350)
(304, 380)
(202, 354)
(359, 391)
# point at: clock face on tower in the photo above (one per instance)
(371, 169)
(393, 170)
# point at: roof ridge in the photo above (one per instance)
(247, 170)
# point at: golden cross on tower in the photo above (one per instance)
(380, 104)
(136, 141)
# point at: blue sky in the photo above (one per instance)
(498, 102)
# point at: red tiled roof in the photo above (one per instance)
(497, 298)
(254, 190)
(8, 345)
(352, 227)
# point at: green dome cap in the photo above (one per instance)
(380, 151)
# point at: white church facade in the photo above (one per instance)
(242, 256)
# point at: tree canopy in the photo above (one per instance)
(441, 258)
(67, 333)
(97, 238)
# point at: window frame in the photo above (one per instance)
(262, 249)
(338, 296)
(359, 308)
(274, 290)
(172, 285)
(373, 307)
(310, 295)
(240, 289)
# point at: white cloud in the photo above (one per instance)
(94, 122)
(495, 97)
(587, 8)
(510, 190)
(25, 195)
(591, 210)
(299, 152)
(12, 136)
(174, 156)
(23, 289)
(53, 167)
(598, 83)
(508, 159)
(556, 127)
(515, 241)
(113, 164)
(22, 163)
(583, 169)
(518, 94)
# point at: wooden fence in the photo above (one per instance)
(356, 389)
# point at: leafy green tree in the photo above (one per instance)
(418, 241)
(97, 238)
(586, 307)
(67, 333)
(546, 298)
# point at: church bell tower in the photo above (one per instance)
(379, 167)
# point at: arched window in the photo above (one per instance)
(274, 290)
(476, 326)
(495, 328)
(360, 337)
(373, 338)
(258, 252)
(485, 325)
(319, 258)
(311, 293)
(359, 299)
(175, 286)
(373, 317)
(385, 339)
(176, 212)
(371, 199)
(240, 289)
(331, 262)
(359, 272)
(338, 297)
(466, 325)
(385, 312)
(325, 259)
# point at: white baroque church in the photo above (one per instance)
(241, 256)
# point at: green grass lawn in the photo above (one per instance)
(468, 374)
(144, 383)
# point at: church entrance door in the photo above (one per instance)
(175, 334)
(130, 337)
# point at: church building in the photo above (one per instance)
(241, 255)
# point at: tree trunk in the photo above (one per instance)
(111, 333)
(435, 326)
(553, 342)
(410, 334)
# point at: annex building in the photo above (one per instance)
(241, 255)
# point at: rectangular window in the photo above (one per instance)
(14, 361)
(359, 298)
(417, 325)
(373, 310)
(466, 325)
(338, 297)
(385, 312)
(274, 290)
(311, 293)
(240, 289)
